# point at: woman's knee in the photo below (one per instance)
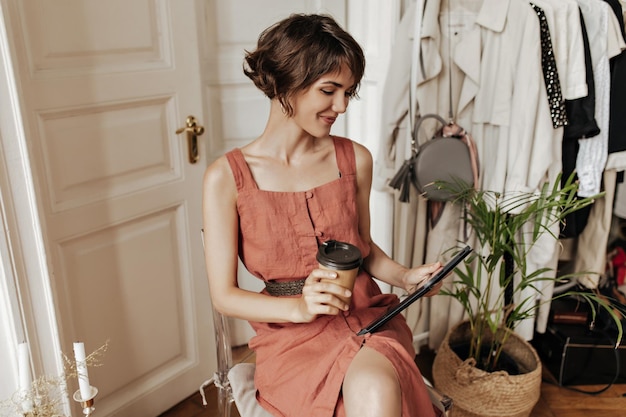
(371, 375)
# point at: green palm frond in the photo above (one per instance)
(510, 225)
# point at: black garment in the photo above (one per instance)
(574, 222)
(617, 112)
(581, 111)
(582, 123)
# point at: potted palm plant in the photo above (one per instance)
(482, 364)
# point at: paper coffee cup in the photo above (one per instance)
(343, 258)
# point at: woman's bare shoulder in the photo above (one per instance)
(363, 156)
(218, 176)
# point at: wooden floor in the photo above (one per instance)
(555, 401)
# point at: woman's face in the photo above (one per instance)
(317, 108)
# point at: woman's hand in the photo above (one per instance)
(417, 277)
(320, 296)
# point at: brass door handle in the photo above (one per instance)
(193, 131)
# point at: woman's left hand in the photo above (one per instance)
(416, 277)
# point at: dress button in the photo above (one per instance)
(308, 194)
(319, 234)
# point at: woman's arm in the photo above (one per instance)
(221, 235)
(378, 263)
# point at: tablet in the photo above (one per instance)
(421, 291)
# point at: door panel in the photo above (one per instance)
(85, 37)
(105, 86)
(138, 300)
(94, 153)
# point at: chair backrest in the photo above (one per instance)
(224, 363)
(224, 360)
(235, 381)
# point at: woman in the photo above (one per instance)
(273, 202)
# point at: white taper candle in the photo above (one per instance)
(81, 370)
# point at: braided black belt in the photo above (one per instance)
(278, 288)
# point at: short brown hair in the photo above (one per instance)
(295, 52)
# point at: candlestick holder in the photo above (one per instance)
(87, 403)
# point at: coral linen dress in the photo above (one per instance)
(301, 367)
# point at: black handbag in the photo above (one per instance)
(441, 168)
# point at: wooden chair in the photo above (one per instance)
(235, 381)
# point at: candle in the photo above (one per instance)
(81, 370)
(24, 375)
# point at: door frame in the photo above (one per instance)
(29, 306)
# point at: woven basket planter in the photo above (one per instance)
(477, 393)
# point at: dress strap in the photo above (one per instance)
(346, 161)
(240, 169)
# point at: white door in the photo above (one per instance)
(104, 87)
